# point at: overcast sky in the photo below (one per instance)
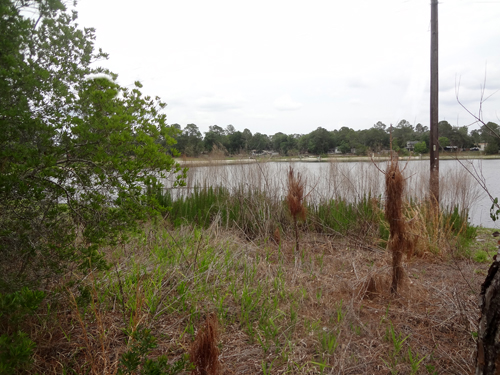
(287, 66)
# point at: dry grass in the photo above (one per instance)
(399, 239)
(204, 352)
(295, 200)
(335, 312)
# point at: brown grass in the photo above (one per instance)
(437, 308)
(204, 352)
(295, 200)
(399, 242)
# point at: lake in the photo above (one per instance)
(352, 180)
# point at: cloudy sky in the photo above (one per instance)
(289, 66)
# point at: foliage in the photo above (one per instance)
(135, 360)
(421, 148)
(443, 142)
(492, 148)
(345, 218)
(322, 141)
(76, 148)
(15, 346)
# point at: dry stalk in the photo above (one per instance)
(398, 239)
(204, 351)
(295, 200)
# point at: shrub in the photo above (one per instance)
(16, 348)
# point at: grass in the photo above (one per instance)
(227, 254)
(273, 317)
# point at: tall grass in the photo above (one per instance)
(347, 200)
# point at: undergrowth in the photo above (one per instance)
(143, 314)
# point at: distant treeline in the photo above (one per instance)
(191, 142)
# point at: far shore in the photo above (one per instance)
(200, 161)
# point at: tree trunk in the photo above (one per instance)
(488, 343)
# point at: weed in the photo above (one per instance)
(415, 361)
(135, 360)
(329, 341)
(481, 256)
(397, 340)
(322, 365)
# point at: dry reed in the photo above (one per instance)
(295, 200)
(398, 237)
(204, 351)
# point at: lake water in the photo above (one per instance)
(352, 180)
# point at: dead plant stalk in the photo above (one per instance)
(398, 240)
(295, 200)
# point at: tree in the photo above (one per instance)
(78, 151)
(421, 148)
(190, 142)
(259, 142)
(247, 138)
(376, 138)
(215, 136)
(490, 134)
(421, 129)
(320, 141)
(235, 142)
(443, 142)
(403, 133)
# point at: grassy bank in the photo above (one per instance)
(219, 268)
(230, 254)
(334, 314)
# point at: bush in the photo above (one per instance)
(69, 138)
(421, 148)
(135, 360)
(491, 149)
(16, 348)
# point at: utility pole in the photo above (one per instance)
(434, 146)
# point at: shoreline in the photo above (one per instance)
(316, 159)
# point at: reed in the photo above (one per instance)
(399, 241)
(295, 201)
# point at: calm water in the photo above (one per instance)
(351, 180)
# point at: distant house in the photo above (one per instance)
(410, 145)
(337, 150)
(451, 148)
(482, 146)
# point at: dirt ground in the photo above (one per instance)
(436, 311)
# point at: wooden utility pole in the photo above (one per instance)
(434, 146)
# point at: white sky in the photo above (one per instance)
(288, 66)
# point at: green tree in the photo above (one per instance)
(216, 136)
(279, 143)
(190, 142)
(403, 133)
(320, 141)
(490, 133)
(259, 142)
(346, 138)
(247, 139)
(78, 151)
(491, 149)
(235, 142)
(376, 138)
(443, 142)
(420, 148)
